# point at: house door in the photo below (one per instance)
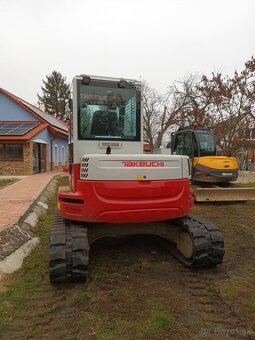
(39, 158)
(43, 157)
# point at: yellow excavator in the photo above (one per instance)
(211, 175)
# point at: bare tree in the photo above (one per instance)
(162, 112)
(194, 109)
(224, 104)
(152, 110)
(231, 103)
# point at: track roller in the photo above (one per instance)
(199, 244)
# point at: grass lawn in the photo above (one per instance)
(5, 182)
(137, 290)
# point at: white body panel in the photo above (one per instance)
(162, 151)
(99, 147)
(133, 167)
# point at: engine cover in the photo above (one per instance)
(134, 167)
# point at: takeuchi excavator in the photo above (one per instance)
(115, 189)
(210, 173)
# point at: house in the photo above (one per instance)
(31, 141)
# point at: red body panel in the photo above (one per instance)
(125, 201)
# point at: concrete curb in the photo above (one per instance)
(18, 240)
(14, 261)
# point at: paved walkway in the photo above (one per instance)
(16, 198)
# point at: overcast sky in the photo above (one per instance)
(157, 40)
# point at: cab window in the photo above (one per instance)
(188, 145)
(179, 144)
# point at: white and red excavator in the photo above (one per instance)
(116, 189)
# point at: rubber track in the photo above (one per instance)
(69, 252)
(208, 242)
(69, 247)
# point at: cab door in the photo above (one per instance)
(184, 144)
(188, 148)
(178, 144)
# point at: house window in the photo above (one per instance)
(56, 156)
(11, 152)
(63, 155)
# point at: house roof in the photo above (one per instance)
(55, 125)
(47, 117)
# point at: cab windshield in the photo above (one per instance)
(207, 144)
(109, 113)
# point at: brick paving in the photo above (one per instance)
(16, 198)
(12, 238)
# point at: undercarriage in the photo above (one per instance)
(195, 242)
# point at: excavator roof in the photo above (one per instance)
(193, 128)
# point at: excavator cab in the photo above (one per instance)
(193, 143)
(200, 145)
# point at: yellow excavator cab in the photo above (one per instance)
(209, 171)
(199, 144)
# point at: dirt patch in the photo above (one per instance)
(137, 290)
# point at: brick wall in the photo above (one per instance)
(19, 168)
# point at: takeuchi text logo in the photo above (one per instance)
(143, 164)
